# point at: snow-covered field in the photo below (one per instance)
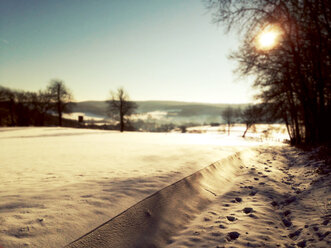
(261, 132)
(58, 183)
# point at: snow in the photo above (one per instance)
(59, 183)
(278, 200)
(262, 132)
(270, 196)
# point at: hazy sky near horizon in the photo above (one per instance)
(155, 49)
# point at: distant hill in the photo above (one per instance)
(98, 108)
(174, 110)
(184, 109)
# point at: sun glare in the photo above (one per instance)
(268, 38)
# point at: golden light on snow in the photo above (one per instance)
(268, 38)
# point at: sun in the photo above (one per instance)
(268, 38)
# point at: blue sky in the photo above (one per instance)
(155, 49)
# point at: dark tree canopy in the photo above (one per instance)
(41, 102)
(23, 108)
(7, 107)
(60, 96)
(120, 107)
(293, 76)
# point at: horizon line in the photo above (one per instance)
(182, 101)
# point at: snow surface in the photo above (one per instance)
(278, 200)
(270, 196)
(59, 183)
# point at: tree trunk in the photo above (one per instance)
(291, 133)
(12, 110)
(59, 110)
(122, 123)
(59, 113)
(247, 127)
(121, 115)
(60, 119)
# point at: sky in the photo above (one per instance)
(155, 49)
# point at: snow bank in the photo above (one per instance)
(151, 222)
(277, 201)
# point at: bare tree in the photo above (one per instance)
(120, 107)
(229, 115)
(293, 76)
(41, 102)
(61, 96)
(250, 116)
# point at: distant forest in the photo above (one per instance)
(42, 108)
(23, 108)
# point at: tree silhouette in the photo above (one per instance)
(60, 97)
(23, 108)
(250, 116)
(41, 103)
(229, 115)
(294, 76)
(120, 107)
(7, 110)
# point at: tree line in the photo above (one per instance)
(46, 107)
(25, 108)
(293, 77)
(249, 116)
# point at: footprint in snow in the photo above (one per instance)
(252, 193)
(248, 210)
(286, 212)
(216, 234)
(231, 218)
(253, 216)
(222, 226)
(233, 235)
(287, 222)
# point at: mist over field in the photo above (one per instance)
(162, 111)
